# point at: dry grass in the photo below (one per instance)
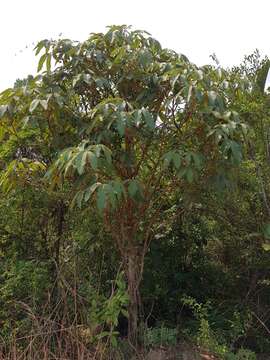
(55, 331)
(52, 341)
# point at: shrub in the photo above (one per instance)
(160, 336)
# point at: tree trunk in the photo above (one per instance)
(133, 279)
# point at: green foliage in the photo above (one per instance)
(209, 339)
(242, 354)
(23, 287)
(105, 313)
(205, 336)
(159, 336)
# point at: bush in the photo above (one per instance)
(242, 354)
(159, 336)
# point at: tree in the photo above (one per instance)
(129, 124)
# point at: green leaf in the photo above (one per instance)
(79, 198)
(149, 120)
(34, 105)
(87, 79)
(121, 124)
(124, 312)
(119, 189)
(107, 154)
(89, 191)
(40, 45)
(137, 116)
(145, 58)
(2, 132)
(168, 158)
(198, 160)
(176, 160)
(103, 334)
(100, 82)
(217, 114)
(236, 151)
(244, 128)
(174, 80)
(133, 188)
(266, 247)
(76, 79)
(188, 158)
(48, 62)
(68, 166)
(189, 95)
(3, 109)
(29, 120)
(212, 97)
(114, 341)
(101, 199)
(266, 231)
(80, 161)
(59, 99)
(189, 175)
(41, 61)
(44, 104)
(93, 160)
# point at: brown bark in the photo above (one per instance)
(133, 273)
(132, 244)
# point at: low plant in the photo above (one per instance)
(208, 339)
(242, 354)
(160, 336)
(105, 313)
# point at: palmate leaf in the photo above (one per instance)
(149, 119)
(173, 157)
(106, 194)
(80, 161)
(81, 156)
(84, 195)
(119, 114)
(186, 163)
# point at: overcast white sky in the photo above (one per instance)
(196, 28)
